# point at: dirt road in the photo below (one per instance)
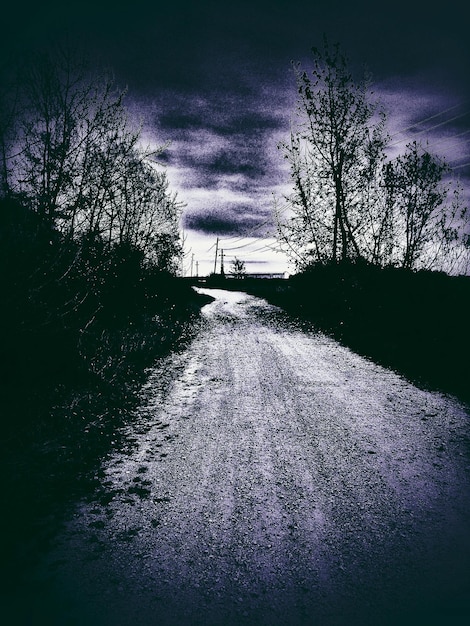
(271, 476)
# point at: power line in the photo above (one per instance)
(267, 247)
(222, 239)
(252, 243)
(264, 248)
(458, 167)
(427, 119)
(464, 156)
(432, 144)
(250, 234)
(236, 237)
(236, 240)
(452, 137)
(465, 132)
(245, 245)
(275, 247)
(261, 225)
(426, 130)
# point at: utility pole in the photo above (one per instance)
(192, 261)
(216, 250)
(222, 273)
(197, 268)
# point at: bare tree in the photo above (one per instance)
(52, 121)
(79, 162)
(334, 152)
(430, 230)
(348, 201)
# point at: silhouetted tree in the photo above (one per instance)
(334, 152)
(237, 269)
(88, 224)
(348, 202)
(78, 161)
(428, 228)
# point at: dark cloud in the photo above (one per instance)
(218, 223)
(208, 223)
(214, 79)
(230, 123)
(176, 120)
(229, 46)
(234, 163)
(223, 143)
(248, 161)
(256, 121)
(228, 220)
(166, 157)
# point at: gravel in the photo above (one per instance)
(271, 476)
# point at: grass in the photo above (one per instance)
(59, 422)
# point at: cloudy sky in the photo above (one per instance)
(214, 79)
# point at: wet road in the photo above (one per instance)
(271, 476)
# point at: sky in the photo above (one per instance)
(213, 80)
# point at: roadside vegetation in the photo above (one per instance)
(352, 198)
(89, 248)
(413, 322)
(380, 241)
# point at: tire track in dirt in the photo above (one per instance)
(273, 477)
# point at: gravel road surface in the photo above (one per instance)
(272, 476)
